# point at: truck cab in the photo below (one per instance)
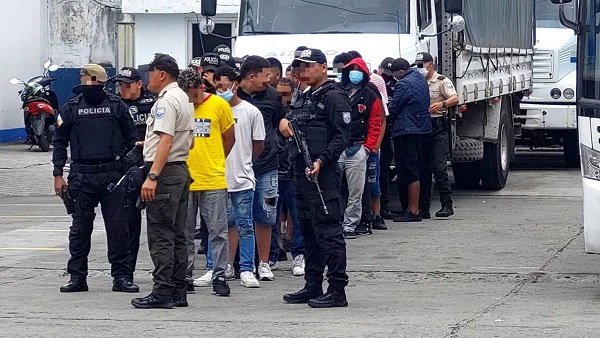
(548, 115)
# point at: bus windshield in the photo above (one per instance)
(590, 48)
(546, 14)
(323, 16)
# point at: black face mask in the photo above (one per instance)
(93, 95)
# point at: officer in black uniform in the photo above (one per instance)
(140, 101)
(98, 129)
(324, 113)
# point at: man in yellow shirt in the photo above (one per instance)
(213, 139)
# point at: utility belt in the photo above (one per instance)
(168, 164)
(95, 168)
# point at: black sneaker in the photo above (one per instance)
(408, 216)
(425, 215)
(153, 301)
(379, 223)
(75, 285)
(445, 211)
(349, 234)
(282, 255)
(303, 296)
(190, 287)
(330, 299)
(364, 228)
(220, 287)
(386, 214)
(124, 285)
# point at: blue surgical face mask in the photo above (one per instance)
(226, 95)
(356, 76)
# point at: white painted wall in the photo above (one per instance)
(164, 33)
(23, 25)
(175, 6)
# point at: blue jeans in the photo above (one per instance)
(373, 174)
(286, 195)
(265, 198)
(239, 214)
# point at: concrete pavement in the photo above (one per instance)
(508, 264)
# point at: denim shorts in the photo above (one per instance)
(264, 211)
(373, 174)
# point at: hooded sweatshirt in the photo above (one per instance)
(365, 125)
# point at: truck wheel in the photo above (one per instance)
(467, 150)
(44, 143)
(466, 175)
(571, 149)
(496, 156)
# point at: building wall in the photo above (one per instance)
(23, 25)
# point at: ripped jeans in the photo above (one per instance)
(264, 208)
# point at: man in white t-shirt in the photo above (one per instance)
(250, 136)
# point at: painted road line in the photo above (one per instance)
(32, 216)
(30, 205)
(33, 249)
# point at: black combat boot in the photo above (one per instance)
(153, 301)
(310, 291)
(180, 297)
(75, 285)
(445, 211)
(123, 284)
(333, 298)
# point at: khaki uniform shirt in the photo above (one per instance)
(174, 115)
(440, 89)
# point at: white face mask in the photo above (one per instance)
(423, 71)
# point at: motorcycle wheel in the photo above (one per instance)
(44, 143)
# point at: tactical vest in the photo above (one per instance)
(96, 134)
(313, 120)
(140, 110)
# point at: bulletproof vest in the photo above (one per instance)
(312, 119)
(96, 132)
(140, 110)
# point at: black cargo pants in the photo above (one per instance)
(87, 190)
(323, 236)
(435, 161)
(166, 216)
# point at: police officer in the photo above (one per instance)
(435, 146)
(140, 101)
(169, 136)
(98, 129)
(324, 113)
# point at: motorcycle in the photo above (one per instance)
(40, 105)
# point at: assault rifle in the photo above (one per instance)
(300, 141)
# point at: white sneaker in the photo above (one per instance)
(298, 266)
(205, 280)
(229, 272)
(248, 280)
(264, 271)
(273, 265)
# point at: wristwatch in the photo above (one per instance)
(152, 177)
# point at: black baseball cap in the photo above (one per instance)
(210, 62)
(400, 64)
(195, 62)
(311, 56)
(222, 49)
(238, 62)
(386, 66)
(422, 57)
(128, 75)
(297, 52)
(163, 62)
(227, 60)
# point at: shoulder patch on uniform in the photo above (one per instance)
(441, 77)
(113, 97)
(346, 117)
(160, 112)
(59, 120)
(149, 100)
(450, 85)
(75, 99)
